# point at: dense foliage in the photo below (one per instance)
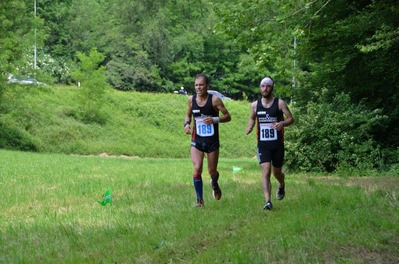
(345, 79)
(353, 48)
(336, 61)
(153, 46)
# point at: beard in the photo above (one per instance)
(267, 96)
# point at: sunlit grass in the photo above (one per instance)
(50, 214)
(129, 123)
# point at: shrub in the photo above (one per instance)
(334, 137)
(16, 139)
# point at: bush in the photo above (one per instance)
(15, 139)
(334, 137)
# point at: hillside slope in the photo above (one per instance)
(57, 120)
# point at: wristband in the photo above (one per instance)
(282, 123)
(215, 120)
(186, 123)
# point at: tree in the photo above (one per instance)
(17, 38)
(57, 14)
(353, 47)
(348, 47)
(91, 78)
(267, 29)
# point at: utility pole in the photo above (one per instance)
(35, 52)
(293, 77)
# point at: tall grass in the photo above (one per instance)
(53, 120)
(50, 214)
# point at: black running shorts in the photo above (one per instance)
(206, 147)
(273, 153)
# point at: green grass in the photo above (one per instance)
(50, 214)
(53, 120)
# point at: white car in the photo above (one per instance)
(15, 79)
(12, 79)
(32, 81)
(218, 94)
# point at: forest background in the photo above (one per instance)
(335, 62)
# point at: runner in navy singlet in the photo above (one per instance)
(204, 137)
(204, 108)
(268, 113)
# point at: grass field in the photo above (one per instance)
(50, 214)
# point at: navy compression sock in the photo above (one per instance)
(197, 179)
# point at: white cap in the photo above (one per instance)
(267, 80)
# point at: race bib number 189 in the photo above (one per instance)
(204, 130)
(267, 133)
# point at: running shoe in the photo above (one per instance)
(216, 191)
(268, 206)
(200, 203)
(280, 194)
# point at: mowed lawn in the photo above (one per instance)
(51, 214)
